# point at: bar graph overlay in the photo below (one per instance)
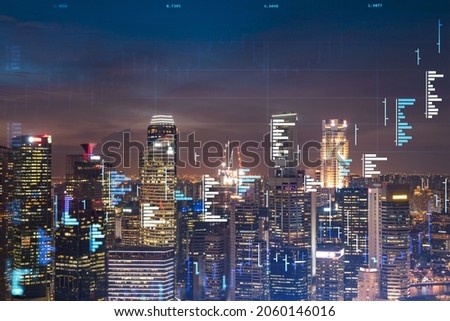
(310, 184)
(368, 165)
(209, 194)
(400, 121)
(430, 94)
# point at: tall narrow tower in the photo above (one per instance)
(290, 215)
(158, 204)
(32, 216)
(6, 186)
(353, 208)
(335, 168)
(159, 177)
(395, 240)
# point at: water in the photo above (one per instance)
(429, 290)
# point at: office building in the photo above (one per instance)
(157, 196)
(290, 216)
(6, 188)
(395, 242)
(251, 268)
(80, 231)
(335, 166)
(368, 284)
(140, 274)
(130, 224)
(330, 273)
(353, 206)
(215, 267)
(32, 217)
(158, 178)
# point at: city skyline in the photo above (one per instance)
(223, 77)
(285, 151)
(282, 238)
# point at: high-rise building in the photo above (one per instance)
(6, 188)
(80, 231)
(72, 260)
(290, 216)
(395, 241)
(32, 216)
(329, 217)
(353, 205)
(189, 212)
(330, 273)
(195, 265)
(130, 224)
(290, 239)
(158, 177)
(251, 268)
(215, 267)
(335, 166)
(157, 197)
(140, 273)
(368, 284)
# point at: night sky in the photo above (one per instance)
(84, 71)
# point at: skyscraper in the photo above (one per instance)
(290, 215)
(215, 267)
(330, 273)
(140, 273)
(395, 240)
(80, 272)
(158, 176)
(251, 266)
(353, 205)
(32, 216)
(335, 166)
(130, 224)
(368, 284)
(157, 197)
(6, 188)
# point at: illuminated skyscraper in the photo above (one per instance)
(130, 223)
(32, 216)
(368, 284)
(395, 241)
(215, 267)
(158, 177)
(335, 167)
(330, 273)
(157, 197)
(6, 188)
(290, 216)
(80, 272)
(252, 283)
(353, 205)
(140, 274)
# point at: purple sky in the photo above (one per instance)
(83, 70)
